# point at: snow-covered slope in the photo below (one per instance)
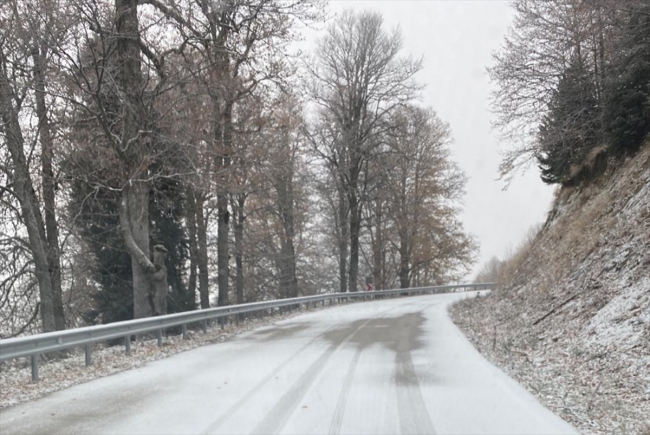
(572, 318)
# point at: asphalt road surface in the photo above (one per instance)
(385, 366)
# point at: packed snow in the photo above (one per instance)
(386, 366)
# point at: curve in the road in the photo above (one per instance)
(386, 366)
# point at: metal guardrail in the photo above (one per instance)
(34, 345)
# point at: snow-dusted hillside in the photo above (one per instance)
(572, 318)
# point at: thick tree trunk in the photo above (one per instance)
(134, 220)
(149, 278)
(26, 194)
(51, 225)
(134, 207)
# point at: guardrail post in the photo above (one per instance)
(34, 360)
(205, 326)
(159, 334)
(127, 345)
(184, 328)
(87, 354)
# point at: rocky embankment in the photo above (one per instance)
(571, 319)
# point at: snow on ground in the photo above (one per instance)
(385, 366)
(596, 392)
(572, 322)
(60, 373)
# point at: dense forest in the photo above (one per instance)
(158, 156)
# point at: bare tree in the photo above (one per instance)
(229, 36)
(545, 40)
(113, 79)
(132, 150)
(327, 145)
(424, 186)
(25, 47)
(358, 80)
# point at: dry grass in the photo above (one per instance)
(585, 275)
(594, 164)
(514, 262)
(575, 232)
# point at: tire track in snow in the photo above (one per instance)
(278, 416)
(225, 416)
(339, 412)
(413, 415)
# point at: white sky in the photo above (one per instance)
(456, 39)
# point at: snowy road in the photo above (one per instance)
(389, 366)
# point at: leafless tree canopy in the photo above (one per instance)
(571, 78)
(159, 156)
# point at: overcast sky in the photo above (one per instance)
(456, 39)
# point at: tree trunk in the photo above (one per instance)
(134, 206)
(403, 228)
(222, 248)
(202, 252)
(134, 220)
(377, 248)
(223, 229)
(343, 240)
(289, 255)
(239, 247)
(403, 259)
(159, 277)
(354, 163)
(24, 189)
(288, 279)
(51, 226)
(193, 243)
(355, 228)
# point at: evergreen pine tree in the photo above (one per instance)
(571, 128)
(626, 113)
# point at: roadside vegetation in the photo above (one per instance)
(570, 318)
(160, 156)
